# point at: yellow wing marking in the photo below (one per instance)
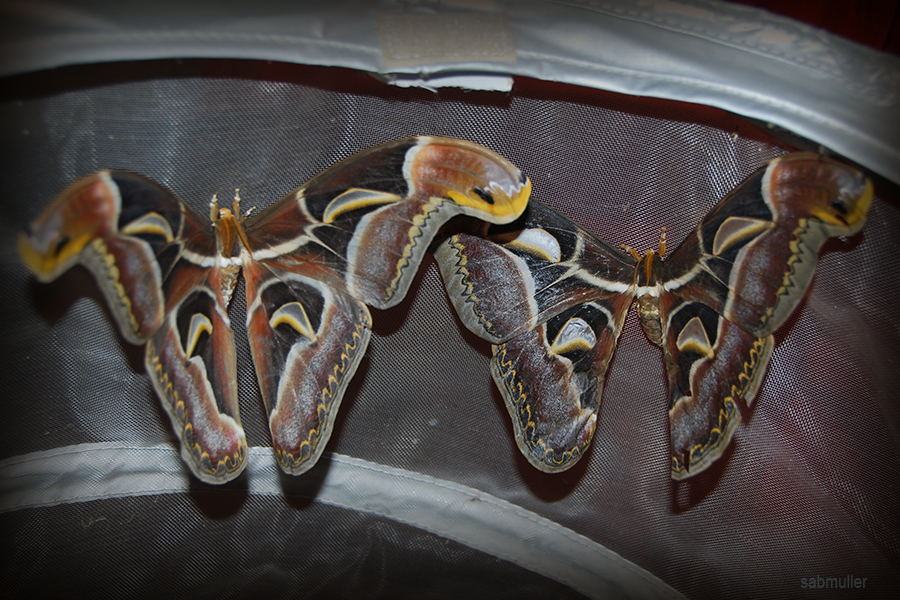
(151, 223)
(575, 335)
(294, 315)
(693, 338)
(535, 241)
(98, 253)
(176, 408)
(419, 223)
(355, 199)
(735, 230)
(323, 407)
(703, 454)
(526, 421)
(200, 324)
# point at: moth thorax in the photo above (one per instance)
(648, 311)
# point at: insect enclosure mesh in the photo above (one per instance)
(807, 488)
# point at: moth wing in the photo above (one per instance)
(368, 220)
(552, 298)
(755, 254)
(132, 234)
(116, 225)
(552, 379)
(307, 339)
(711, 364)
(734, 281)
(515, 277)
(353, 235)
(192, 363)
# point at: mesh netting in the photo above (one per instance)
(807, 488)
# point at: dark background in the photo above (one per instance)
(874, 23)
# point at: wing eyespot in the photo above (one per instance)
(839, 206)
(841, 210)
(61, 245)
(486, 196)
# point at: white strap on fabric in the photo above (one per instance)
(89, 472)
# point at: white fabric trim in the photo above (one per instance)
(88, 472)
(835, 92)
